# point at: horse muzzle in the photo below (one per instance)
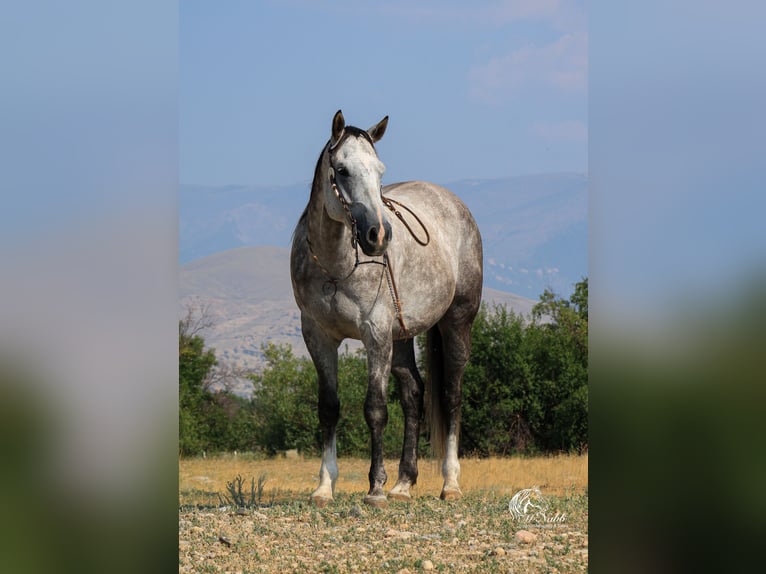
(373, 232)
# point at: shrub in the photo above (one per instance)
(525, 388)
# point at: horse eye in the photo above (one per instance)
(342, 171)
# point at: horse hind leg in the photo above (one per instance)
(405, 370)
(456, 342)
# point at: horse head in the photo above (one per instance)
(354, 190)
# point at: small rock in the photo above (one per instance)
(499, 551)
(356, 511)
(427, 565)
(585, 543)
(403, 571)
(525, 536)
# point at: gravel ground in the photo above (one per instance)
(476, 534)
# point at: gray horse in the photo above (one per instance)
(421, 272)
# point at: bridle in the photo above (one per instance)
(387, 201)
(352, 220)
(386, 263)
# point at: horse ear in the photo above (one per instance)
(376, 132)
(338, 124)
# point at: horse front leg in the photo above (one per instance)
(376, 414)
(324, 352)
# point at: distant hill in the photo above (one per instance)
(534, 227)
(249, 297)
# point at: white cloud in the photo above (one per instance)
(567, 131)
(561, 66)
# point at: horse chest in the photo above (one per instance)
(340, 311)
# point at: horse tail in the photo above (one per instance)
(437, 419)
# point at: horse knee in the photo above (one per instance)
(401, 373)
(375, 413)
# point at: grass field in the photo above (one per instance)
(201, 479)
(475, 534)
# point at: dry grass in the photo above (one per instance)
(201, 479)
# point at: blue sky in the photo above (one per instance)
(473, 90)
(106, 105)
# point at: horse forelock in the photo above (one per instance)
(354, 131)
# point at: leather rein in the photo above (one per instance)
(386, 263)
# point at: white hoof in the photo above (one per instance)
(401, 491)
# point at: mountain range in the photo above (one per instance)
(234, 254)
(534, 227)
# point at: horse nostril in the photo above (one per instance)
(372, 235)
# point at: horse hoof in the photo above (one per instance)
(451, 494)
(401, 496)
(376, 500)
(321, 501)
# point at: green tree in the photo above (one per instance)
(525, 389)
(194, 365)
(525, 386)
(561, 359)
(208, 420)
(284, 402)
(497, 386)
